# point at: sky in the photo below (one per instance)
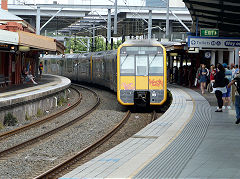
(84, 2)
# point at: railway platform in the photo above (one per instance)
(189, 140)
(29, 98)
(47, 85)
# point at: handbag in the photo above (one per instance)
(225, 81)
(195, 82)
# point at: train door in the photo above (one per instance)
(141, 72)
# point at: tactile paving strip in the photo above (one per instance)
(174, 158)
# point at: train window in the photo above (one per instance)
(141, 65)
(141, 50)
(127, 64)
(156, 64)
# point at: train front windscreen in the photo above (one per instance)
(142, 69)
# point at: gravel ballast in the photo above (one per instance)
(50, 152)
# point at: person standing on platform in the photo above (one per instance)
(40, 69)
(203, 77)
(212, 72)
(219, 86)
(236, 71)
(236, 82)
(226, 96)
(233, 69)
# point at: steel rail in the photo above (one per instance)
(154, 116)
(49, 133)
(53, 172)
(47, 119)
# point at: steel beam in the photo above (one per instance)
(109, 26)
(167, 20)
(150, 24)
(90, 7)
(93, 38)
(51, 19)
(181, 22)
(115, 19)
(38, 18)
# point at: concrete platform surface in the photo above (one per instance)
(47, 85)
(189, 141)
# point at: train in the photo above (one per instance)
(136, 71)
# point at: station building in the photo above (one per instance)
(20, 47)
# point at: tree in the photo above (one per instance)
(77, 46)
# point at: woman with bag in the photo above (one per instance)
(226, 96)
(219, 86)
(203, 77)
(212, 74)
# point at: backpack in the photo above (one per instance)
(237, 83)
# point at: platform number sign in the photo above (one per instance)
(207, 54)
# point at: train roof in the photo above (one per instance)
(51, 56)
(142, 42)
(72, 55)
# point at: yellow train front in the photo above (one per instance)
(141, 73)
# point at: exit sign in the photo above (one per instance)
(209, 32)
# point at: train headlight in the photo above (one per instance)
(154, 94)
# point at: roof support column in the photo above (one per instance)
(237, 56)
(88, 44)
(213, 60)
(150, 24)
(93, 39)
(38, 21)
(167, 20)
(231, 57)
(159, 33)
(109, 26)
(220, 57)
(115, 19)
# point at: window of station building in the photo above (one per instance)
(156, 65)
(141, 65)
(127, 65)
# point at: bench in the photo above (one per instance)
(2, 80)
(7, 80)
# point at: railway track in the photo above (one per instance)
(58, 170)
(47, 119)
(51, 132)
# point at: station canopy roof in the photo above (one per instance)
(81, 20)
(221, 14)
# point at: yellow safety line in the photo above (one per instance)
(170, 141)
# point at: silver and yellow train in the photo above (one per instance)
(136, 71)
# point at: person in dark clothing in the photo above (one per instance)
(236, 82)
(190, 76)
(40, 67)
(220, 86)
(175, 74)
(180, 75)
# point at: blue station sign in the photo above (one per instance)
(213, 42)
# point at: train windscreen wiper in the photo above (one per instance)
(152, 60)
(124, 60)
